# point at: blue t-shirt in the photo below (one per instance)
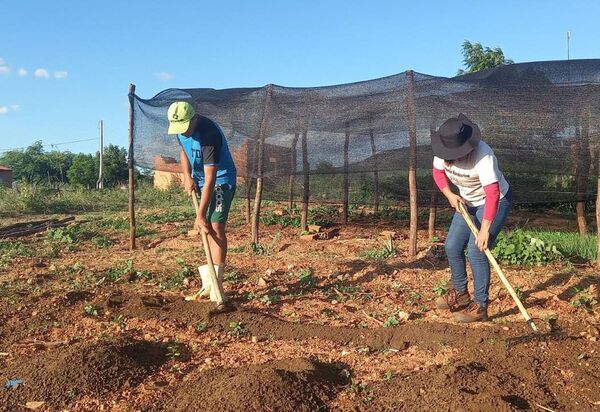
(208, 146)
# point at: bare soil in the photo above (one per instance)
(312, 325)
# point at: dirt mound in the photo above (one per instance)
(267, 327)
(289, 385)
(518, 379)
(60, 376)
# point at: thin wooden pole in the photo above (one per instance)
(131, 172)
(250, 172)
(412, 163)
(598, 203)
(261, 155)
(346, 177)
(434, 194)
(494, 263)
(292, 177)
(375, 173)
(582, 170)
(306, 189)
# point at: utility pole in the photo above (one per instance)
(100, 183)
(568, 45)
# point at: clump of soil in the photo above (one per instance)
(60, 376)
(519, 379)
(289, 385)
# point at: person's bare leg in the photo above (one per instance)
(218, 243)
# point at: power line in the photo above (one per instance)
(51, 145)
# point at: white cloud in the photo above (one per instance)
(2, 62)
(4, 69)
(15, 107)
(60, 75)
(22, 72)
(3, 109)
(164, 76)
(41, 73)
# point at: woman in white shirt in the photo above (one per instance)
(461, 156)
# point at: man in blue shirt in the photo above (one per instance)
(207, 165)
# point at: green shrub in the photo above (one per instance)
(521, 248)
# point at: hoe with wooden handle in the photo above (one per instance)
(494, 263)
(216, 285)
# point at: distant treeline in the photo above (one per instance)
(34, 165)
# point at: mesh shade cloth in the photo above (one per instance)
(542, 120)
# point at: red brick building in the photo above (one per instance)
(5, 176)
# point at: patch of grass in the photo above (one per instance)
(237, 249)
(259, 249)
(101, 241)
(385, 252)
(171, 216)
(570, 244)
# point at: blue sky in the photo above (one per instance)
(64, 65)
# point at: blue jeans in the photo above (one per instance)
(460, 237)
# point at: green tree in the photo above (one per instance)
(476, 57)
(115, 166)
(58, 164)
(29, 165)
(84, 170)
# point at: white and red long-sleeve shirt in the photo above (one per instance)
(477, 177)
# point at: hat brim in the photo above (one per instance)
(454, 153)
(178, 127)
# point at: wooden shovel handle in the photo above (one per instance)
(209, 260)
(494, 263)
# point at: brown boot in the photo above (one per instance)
(473, 313)
(453, 300)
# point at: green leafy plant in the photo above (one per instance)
(270, 299)
(200, 327)
(183, 271)
(306, 279)
(582, 299)
(518, 247)
(441, 289)
(173, 350)
(9, 250)
(90, 310)
(237, 329)
(391, 321)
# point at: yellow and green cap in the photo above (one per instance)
(179, 115)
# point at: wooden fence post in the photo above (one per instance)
(131, 172)
(259, 179)
(346, 178)
(582, 169)
(375, 173)
(306, 190)
(292, 177)
(434, 195)
(412, 163)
